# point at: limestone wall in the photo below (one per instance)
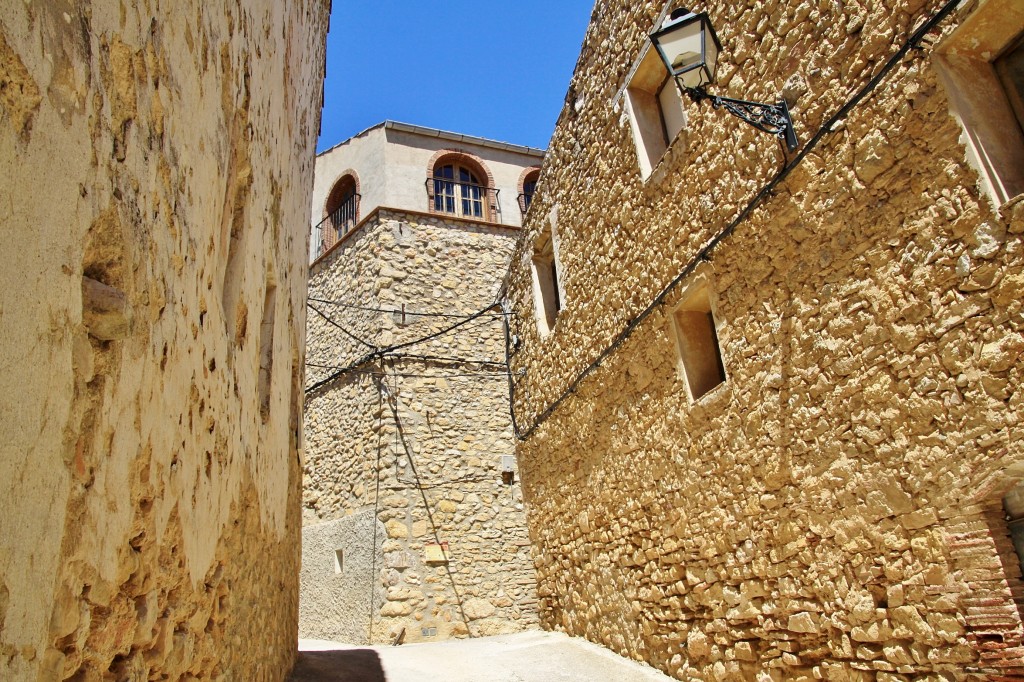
(414, 436)
(156, 164)
(833, 510)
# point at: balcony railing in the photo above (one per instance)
(331, 229)
(462, 199)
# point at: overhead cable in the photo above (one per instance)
(387, 350)
(342, 329)
(393, 311)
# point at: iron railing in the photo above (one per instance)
(463, 199)
(525, 199)
(340, 222)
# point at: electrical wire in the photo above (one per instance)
(382, 352)
(912, 43)
(397, 311)
(511, 381)
(449, 375)
(442, 358)
(342, 329)
(426, 358)
(480, 322)
(445, 484)
(385, 351)
(376, 506)
(474, 375)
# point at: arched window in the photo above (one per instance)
(458, 190)
(459, 184)
(529, 187)
(342, 211)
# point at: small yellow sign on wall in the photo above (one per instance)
(436, 553)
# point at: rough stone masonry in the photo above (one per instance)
(157, 160)
(833, 508)
(404, 454)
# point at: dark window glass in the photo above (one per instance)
(444, 189)
(1010, 67)
(529, 187)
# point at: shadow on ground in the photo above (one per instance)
(347, 665)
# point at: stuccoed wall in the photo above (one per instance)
(833, 510)
(415, 442)
(157, 161)
(408, 155)
(391, 164)
(363, 154)
(347, 588)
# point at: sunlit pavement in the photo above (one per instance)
(521, 657)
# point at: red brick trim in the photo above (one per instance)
(523, 177)
(341, 176)
(986, 575)
(527, 172)
(457, 155)
(329, 236)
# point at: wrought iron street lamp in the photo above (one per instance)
(689, 46)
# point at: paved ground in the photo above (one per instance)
(522, 657)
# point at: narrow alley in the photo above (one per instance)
(520, 657)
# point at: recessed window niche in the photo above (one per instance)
(655, 109)
(696, 332)
(982, 68)
(548, 296)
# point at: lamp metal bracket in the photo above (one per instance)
(773, 119)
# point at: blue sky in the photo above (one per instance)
(496, 69)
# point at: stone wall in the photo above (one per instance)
(157, 162)
(413, 435)
(833, 510)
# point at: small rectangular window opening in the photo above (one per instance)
(981, 64)
(699, 350)
(671, 109)
(655, 110)
(546, 286)
(339, 561)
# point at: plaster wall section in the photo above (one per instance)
(833, 509)
(362, 154)
(415, 438)
(157, 164)
(408, 157)
(342, 568)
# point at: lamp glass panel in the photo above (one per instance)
(710, 55)
(682, 46)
